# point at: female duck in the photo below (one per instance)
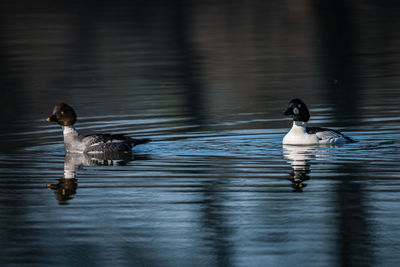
(95, 143)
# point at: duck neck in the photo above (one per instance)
(302, 124)
(299, 126)
(70, 131)
(72, 139)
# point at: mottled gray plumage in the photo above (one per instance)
(111, 142)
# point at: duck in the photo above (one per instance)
(300, 134)
(74, 142)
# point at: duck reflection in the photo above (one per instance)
(299, 157)
(67, 186)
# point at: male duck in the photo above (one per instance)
(300, 134)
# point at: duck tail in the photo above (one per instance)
(349, 139)
(136, 142)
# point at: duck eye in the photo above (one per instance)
(62, 112)
(296, 111)
(299, 105)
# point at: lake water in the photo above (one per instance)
(208, 83)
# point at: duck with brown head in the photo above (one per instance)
(63, 115)
(74, 142)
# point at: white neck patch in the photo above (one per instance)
(300, 124)
(69, 130)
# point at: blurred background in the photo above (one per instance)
(208, 82)
(196, 58)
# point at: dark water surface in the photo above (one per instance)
(208, 83)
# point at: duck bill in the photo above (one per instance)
(51, 118)
(288, 112)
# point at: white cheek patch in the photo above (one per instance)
(296, 111)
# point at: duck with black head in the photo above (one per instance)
(74, 142)
(300, 134)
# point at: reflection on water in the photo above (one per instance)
(299, 157)
(67, 186)
(208, 83)
(64, 190)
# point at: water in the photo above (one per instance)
(208, 83)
